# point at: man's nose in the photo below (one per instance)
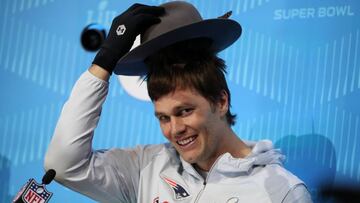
(177, 126)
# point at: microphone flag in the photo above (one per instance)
(33, 192)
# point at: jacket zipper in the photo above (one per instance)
(199, 194)
(206, 179)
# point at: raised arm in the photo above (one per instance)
(104, 175)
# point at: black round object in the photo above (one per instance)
(49, 176)
(92, 37)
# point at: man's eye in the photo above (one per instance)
(163, 118)
(186, 112)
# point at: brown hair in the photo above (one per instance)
(188, 64)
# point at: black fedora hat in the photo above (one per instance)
(180, 22)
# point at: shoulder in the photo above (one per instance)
(279, 174)
(277, 181)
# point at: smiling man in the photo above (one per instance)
(193, 104)
(204, 161)
(195, 128)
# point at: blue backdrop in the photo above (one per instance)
(294, 76)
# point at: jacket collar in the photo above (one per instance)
(262, 154)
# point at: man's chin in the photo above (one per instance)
(190, 156)
(191, 159)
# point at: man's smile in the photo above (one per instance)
(187, 141)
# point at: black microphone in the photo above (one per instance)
(33, 192)
(48, 177)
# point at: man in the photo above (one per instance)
(205, 160)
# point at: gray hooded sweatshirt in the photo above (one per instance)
(156, 173)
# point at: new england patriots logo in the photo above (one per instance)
(179, 191)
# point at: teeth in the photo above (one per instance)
(186, 141)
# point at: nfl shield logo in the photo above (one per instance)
(36, 193)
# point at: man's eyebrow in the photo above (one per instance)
(175, 109)
(157, 114)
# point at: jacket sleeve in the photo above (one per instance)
(77, 166)
(298, 194)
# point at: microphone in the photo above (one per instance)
(33, 192)
(48, 177)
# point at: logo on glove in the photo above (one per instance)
(121, 30)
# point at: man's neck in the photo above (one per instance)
(231, 144)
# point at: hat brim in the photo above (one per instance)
(223, 32)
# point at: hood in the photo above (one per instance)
(262, 153)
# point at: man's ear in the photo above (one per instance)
(223, 103)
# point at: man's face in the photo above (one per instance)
(192, 125)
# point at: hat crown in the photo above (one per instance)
(177, 14)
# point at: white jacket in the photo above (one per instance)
(156, 173)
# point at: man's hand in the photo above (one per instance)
(123, 31)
